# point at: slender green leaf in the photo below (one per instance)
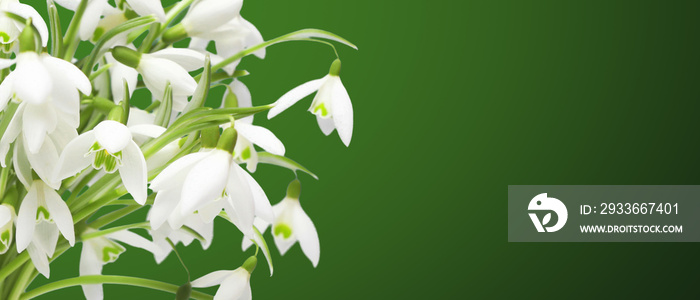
(166, 107)
(200, 94)
(277, 160)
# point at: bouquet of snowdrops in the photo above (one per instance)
(72, 143)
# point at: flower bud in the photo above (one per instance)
(228, 140)
(294, 189)
(335, 68)
(7, 218)
(174, 34)
(250, 263)
(27, 41)
(184, 292)
(126, 56)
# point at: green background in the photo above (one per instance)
(454, 101)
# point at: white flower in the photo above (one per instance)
(101, 250)
(119, 72)
(206, 15)
(41, 216)
(198, 180)
(180, 235)
(292, 224)
(331, 105)
(7, 218)
(97, 8)
(10, 29)
(45, 86)
(170, 65)
(110, 147)
(233, 284)
(230, 38)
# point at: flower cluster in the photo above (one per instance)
(72, 143)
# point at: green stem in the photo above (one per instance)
(14, 265)
(95, 234)
(110, 279)
(71, 39)
(113, 216)
(22, 281)
(174, 12)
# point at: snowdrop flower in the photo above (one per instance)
(10, 29)
(238, 95)
(198, 180)
(7, 218)
(97, 8)
(159, 68)
(47, 89)
(233, 284)
(180, 235)
(41, 216)
(331, 105)
(110, 147)
(204, 17)
(292, 224)
(230, 38)
(43, 162)
(101, 250)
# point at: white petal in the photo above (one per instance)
(68, 4)
(231, 288)
(112, 135)
(148, 130)
(26, 12)
(134, 240)
(189, 59)
(37, 121)
(26, 219)
(40, 261)
(32, 81)
(261, 136)
(306, 234)
(45, 237)
(44, 162)
(91, 17)
(241, 199)
(90, 264)
(6, 91)
(148, 7)
(60, 214)
(163, 207)
(263, 209)
(6, 63)
(342, 112)
(178, 168)
(294, 95)
(73, 159)
(206, 181)
(118, 73)
(211, 279)
(134, 172)
(326, 124)
(70, 73)
(11, 133)
(210, 14)
(157, 72)
(21, 164)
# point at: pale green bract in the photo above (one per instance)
(72, 142)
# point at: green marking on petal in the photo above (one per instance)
(105, 160)
(99, 31)
(282, 229)
(42, 214)
(5, 237)
(112, 252)
(322, 108)
(245, 154)
(5, 37)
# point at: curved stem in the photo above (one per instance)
(110, 279)
(13, 265)
(95, 234)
